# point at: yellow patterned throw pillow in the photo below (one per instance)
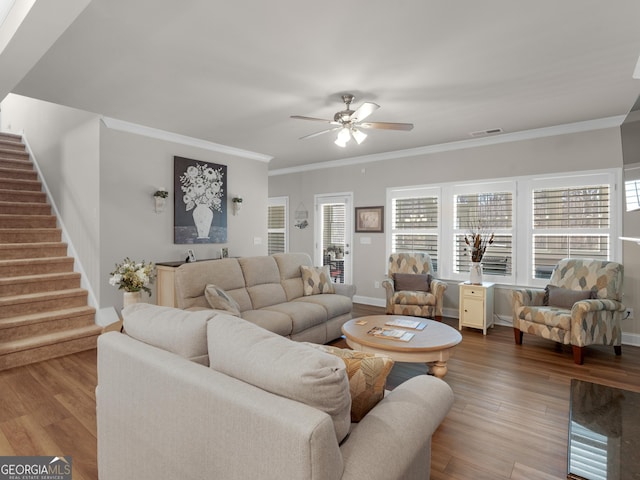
(316, 280)
(367, 374)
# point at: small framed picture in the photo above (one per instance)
(224, 252)
(370, 219)
(191, 257)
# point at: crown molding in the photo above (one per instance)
(568, 128)
(120, 125)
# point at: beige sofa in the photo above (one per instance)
(267, 408)
(269, 292)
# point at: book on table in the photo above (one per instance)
(406, 323)
(391, 333)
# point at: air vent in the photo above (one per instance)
(484, 133)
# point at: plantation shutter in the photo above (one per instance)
(276, 224)
(570, 222)
(415, 226)
(486, 213)
(333, 225)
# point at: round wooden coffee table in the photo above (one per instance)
(433, 345)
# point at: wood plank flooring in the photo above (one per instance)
(509, 419)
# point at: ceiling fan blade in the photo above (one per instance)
(364, 111)
(320, 133)
(301, 117)
(387, 125)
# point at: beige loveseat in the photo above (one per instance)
(267, 407)
(269, 292)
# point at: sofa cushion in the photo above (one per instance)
(367, 374)
(276, 322)
(191, 279)
(281, 366)
(564, 297)
(335, 305)
(178, 331)
(221, 300)
(290, 274)
(316, 280)
(413, 282)
(303, 315)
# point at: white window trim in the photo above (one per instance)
(275, 202)
(485, 187)
(522, 188)
(409, 192)
(613, 177)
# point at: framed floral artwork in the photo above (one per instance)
(200, 213)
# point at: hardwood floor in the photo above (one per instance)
(509, 419)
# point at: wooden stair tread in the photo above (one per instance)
(40, 296)
(39, 317)
(49, 339)
(38, 277)
(17, 262)
(12, 246)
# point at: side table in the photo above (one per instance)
(476, 306)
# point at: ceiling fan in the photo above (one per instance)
(350, 121)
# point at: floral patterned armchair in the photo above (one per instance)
(593, 319)
(425, 302)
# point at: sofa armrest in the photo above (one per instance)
(387, 283)
(596, 305)
(345, 289)
(527, 297)
(393, 441)
(437, 288)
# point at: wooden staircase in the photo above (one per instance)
(43, 311)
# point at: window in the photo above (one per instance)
(277, 225)
(488, 212)
(414, 222)
(536, 221)
(570, 221)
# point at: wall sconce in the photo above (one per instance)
(237, 205)
(160, 198)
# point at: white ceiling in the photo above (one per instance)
(233, 72)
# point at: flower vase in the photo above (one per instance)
(475, 273)
(130, 298)
(202, 217)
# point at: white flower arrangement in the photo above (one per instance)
(202, 185)
(133, 276)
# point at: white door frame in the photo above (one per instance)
(345, 198)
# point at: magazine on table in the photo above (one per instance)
(391, 333)
(406, 323)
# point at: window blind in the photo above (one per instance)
(569, 222)
(415, 226)
(276, 229)
(486, 213)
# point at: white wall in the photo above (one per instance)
(563, 153)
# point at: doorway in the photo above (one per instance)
(333, 237)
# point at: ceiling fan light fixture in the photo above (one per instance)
(343, 137)
(358, 136)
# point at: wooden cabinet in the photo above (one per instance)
(476, 306)
(165, 283)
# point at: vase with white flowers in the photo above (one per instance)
(203, 192)
(133, 277)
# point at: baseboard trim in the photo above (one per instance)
(374, 302)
